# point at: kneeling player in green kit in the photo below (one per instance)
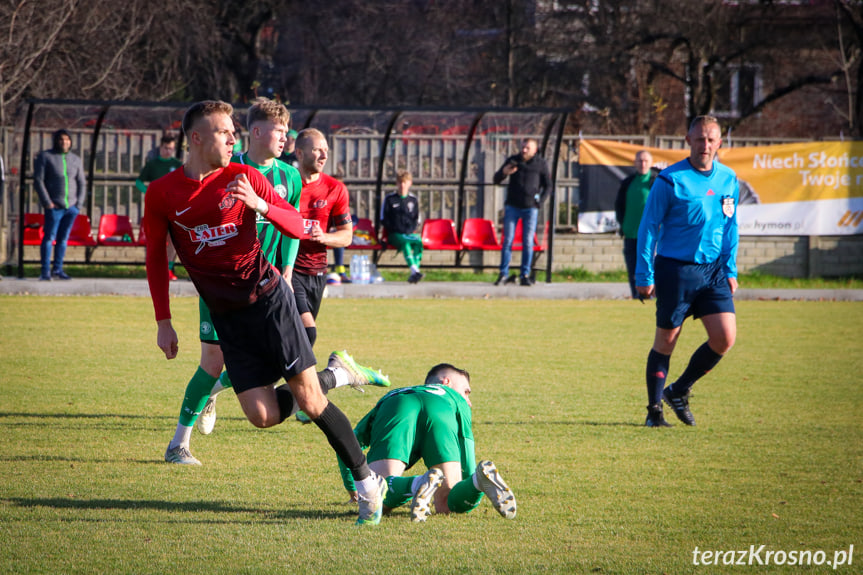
(431, 422)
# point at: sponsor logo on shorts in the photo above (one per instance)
(206, 328)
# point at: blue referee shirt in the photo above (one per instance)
(689, 216)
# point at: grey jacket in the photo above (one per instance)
(59, 178)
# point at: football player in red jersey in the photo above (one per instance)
(209, 209)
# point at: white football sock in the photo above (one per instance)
(367, 486)
(341, 376)
(181, 437)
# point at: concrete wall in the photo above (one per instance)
(786, 256)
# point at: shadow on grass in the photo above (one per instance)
(573, 422)
(168, 506)
(82, 415)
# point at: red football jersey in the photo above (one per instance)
(215, 236)
(324, 203)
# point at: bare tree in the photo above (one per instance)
(849, 25)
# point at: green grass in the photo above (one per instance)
(753, 280)
(89, 404)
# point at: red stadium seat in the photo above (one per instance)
(142, 237)
(114, 229)
(33, 229)
(82, 232)
(440, 235)
(365, 236)
(516, 241)
(479, 234)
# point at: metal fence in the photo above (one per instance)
(435, 161)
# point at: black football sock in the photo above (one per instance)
(657, 372)
(337, 428)
(287, 404)
(327, 379)
(702, 361)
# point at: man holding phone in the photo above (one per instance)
(529, 183)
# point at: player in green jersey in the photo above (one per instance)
(163, 164)
(267, 122)
(431, 422)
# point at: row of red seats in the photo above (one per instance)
(440, 234)
(437, 234)
(113, 228)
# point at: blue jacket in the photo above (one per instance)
(690, 216)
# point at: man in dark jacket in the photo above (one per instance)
(529, 183)
(58, 176)
(628, 207)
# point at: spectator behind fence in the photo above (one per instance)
(289, 155)
(529, 183)
(400, 217)
(688, 240)
(431, 422)
(161, 165)
(58, 176)
(628, 207)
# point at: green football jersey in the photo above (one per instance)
(280, 250)
(429, 422)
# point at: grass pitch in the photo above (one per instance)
(88, 405)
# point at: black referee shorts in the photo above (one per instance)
(265, 341)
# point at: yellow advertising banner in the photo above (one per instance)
(809, 188)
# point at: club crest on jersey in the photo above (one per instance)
(204, 235)
(227, 202)
(728, 206)
(282, 191)
(319, 204)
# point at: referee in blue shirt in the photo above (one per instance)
(687, 252)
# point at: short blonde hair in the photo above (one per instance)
(264, 109)
(698, 120)
(404, 176)
(306, 136)
(202, 109)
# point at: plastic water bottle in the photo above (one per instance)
(355, 269)
(365, 270)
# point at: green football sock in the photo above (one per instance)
(197, 393)
(399, 491)
(464, 496)
(226, 381)
(223, 383)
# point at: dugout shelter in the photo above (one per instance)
(451, 153)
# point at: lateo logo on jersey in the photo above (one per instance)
(318, 204)
(204, 235)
